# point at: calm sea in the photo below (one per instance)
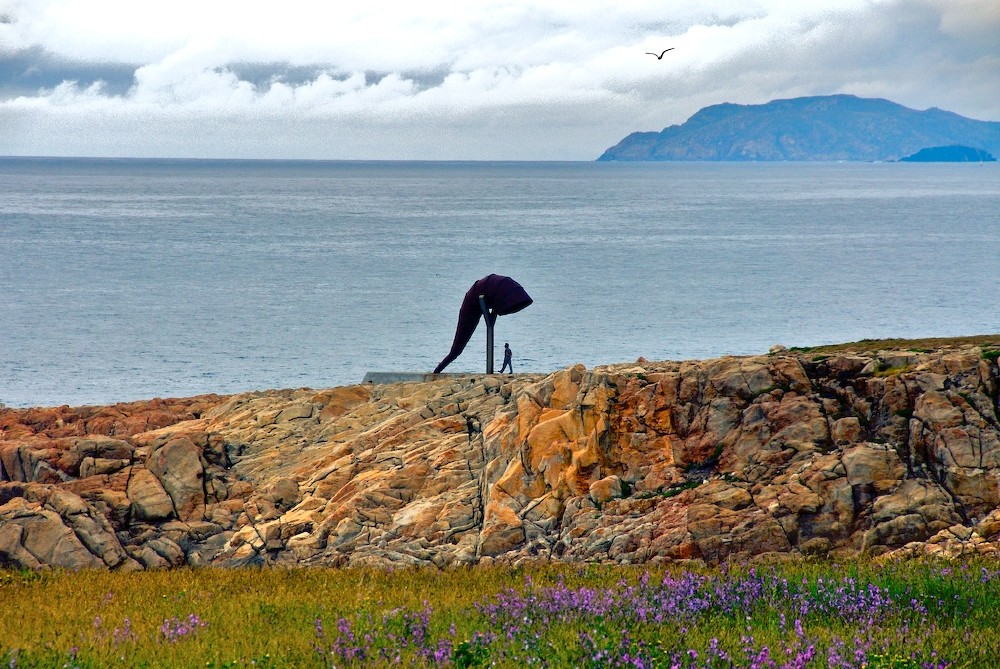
(130, 279)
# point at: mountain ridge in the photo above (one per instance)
(822, 128)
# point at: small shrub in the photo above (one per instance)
(470, 654)
(883, 370)
(670, 491)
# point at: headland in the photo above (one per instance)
(884, 449)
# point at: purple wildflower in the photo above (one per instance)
(174, 629)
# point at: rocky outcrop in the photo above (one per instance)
(892, 454)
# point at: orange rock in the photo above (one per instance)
(733, 458)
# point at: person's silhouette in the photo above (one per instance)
(507, 355)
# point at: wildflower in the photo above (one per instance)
(173, 629)
(124, 633)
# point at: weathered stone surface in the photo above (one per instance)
(12, 550)
(177, 464)
(283, 493)
(149, 500)
(502, 532)
(606, 489)
(867, 463)
(892, 453)
(954, 543)
(44, 536)
(97, 535)
(914, 511)
(96, 466)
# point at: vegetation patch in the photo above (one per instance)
(925, 344)
(669, 491)
(883, 370)
(805, 615)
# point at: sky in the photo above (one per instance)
(489, 80)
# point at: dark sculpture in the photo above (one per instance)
(501, 295)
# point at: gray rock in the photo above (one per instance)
(150, 501)
(52, 543)
(12, 551)
(178, 465)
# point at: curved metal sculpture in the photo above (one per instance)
(491, 296)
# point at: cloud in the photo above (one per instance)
(513, 80)
(970, 20)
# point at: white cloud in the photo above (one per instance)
(497, 79)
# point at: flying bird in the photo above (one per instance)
(660, 57)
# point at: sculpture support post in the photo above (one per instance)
(489, 333)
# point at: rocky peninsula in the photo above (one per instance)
(889, 452)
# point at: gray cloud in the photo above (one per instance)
(28, 71)
(262, 75)
(505, 80)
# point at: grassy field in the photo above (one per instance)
(802, 615)
(988, 342)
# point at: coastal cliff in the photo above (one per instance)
(887, 453)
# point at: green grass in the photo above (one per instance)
(267, 617)
(987, 341)
(250, 613)
(885, 370)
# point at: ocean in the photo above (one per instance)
(123, 280)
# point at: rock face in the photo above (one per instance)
(892, 453)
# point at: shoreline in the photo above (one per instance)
(779, 456)
(923, 344)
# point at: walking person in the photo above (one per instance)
(507, 356)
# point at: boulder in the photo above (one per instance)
(44, 536)
(606, 489)
(13, 554)
(178, 465)
(502, 532)
(149, 500)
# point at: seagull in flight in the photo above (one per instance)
(660, 57)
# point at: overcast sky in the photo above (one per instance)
(519, 80)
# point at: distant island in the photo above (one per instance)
(950, 154)
(822, 128)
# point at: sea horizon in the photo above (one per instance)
(473, 160)
(190, 276)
